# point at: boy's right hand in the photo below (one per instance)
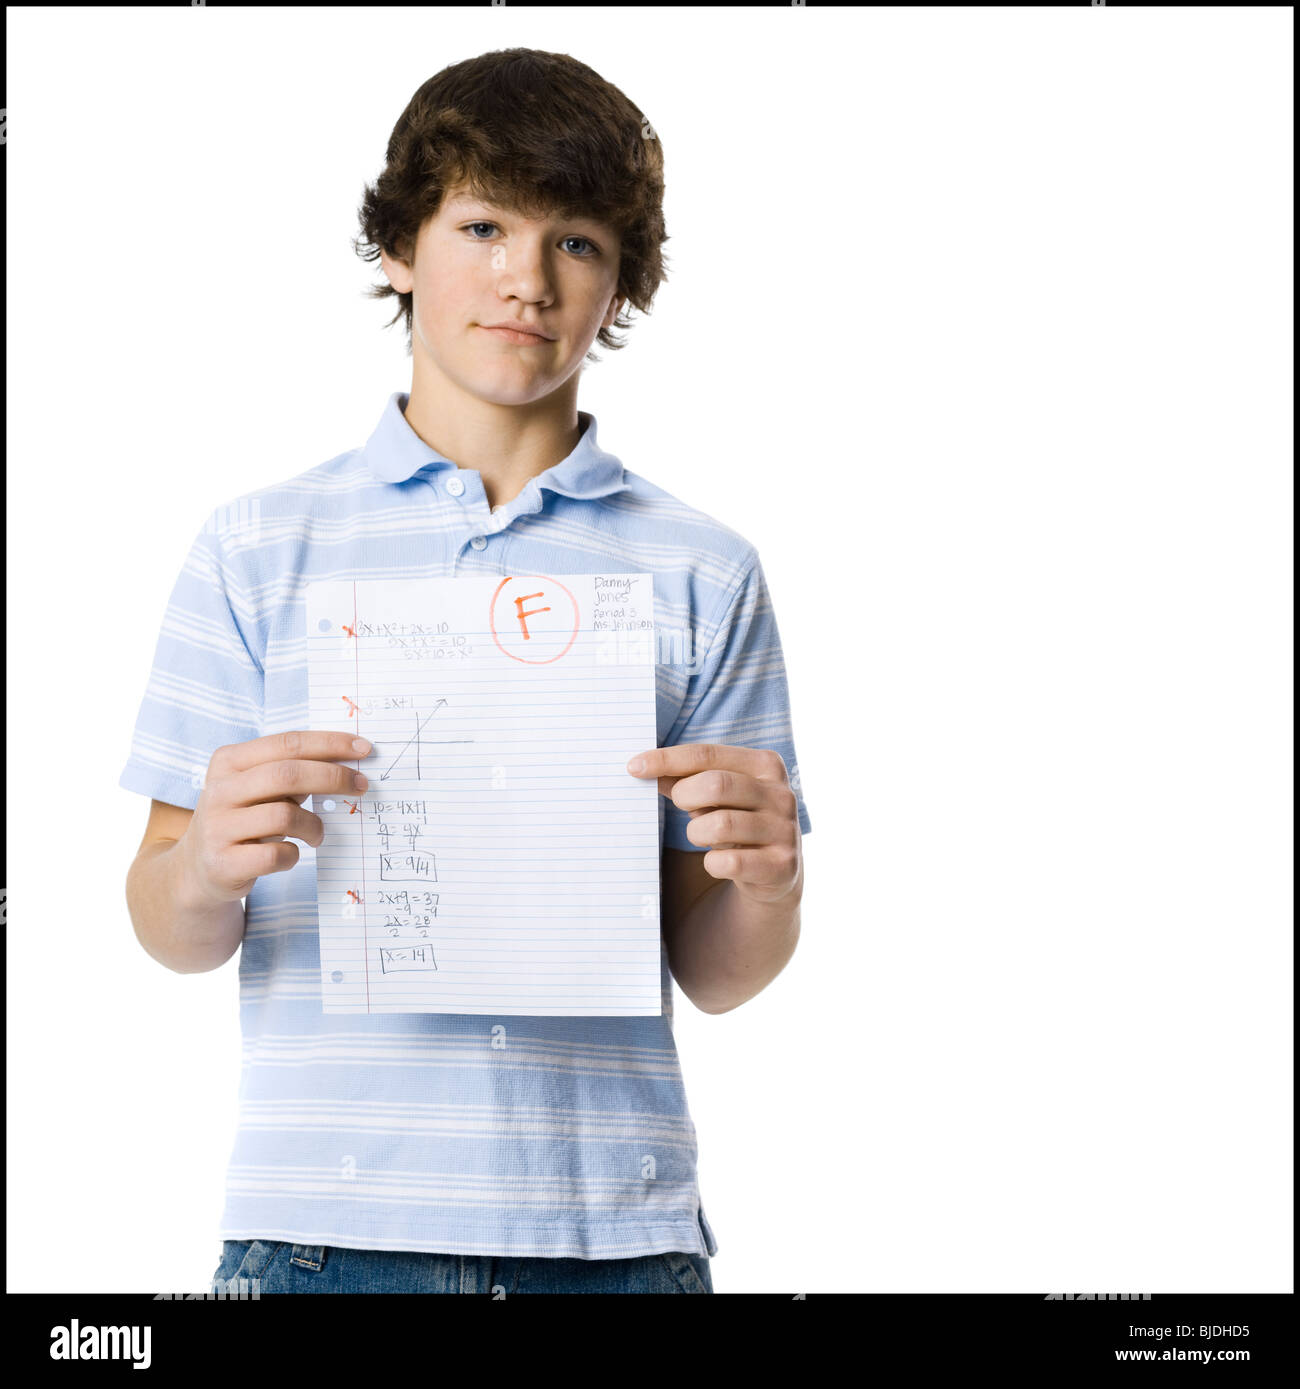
(251, 800)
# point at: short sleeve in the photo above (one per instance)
(206, 686)
(739, 695)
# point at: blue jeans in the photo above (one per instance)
(250, 1268)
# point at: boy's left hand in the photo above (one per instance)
(741, 803)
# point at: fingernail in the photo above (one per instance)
(637, 764)
(360, 745)
(362, 782)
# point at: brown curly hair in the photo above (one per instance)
(532, 133)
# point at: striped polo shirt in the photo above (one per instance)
(421, 1131)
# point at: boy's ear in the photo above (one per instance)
(398, 272)
(615, 308)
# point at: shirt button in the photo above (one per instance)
(455, 486)
(477, 542)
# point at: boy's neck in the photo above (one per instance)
(506, 444)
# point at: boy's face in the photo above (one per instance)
(476, 266)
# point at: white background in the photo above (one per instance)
(979, 327)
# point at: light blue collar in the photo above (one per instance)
(395, 452)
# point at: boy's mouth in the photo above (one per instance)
(524, 337)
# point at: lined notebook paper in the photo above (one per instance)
(502, 859)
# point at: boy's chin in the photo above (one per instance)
(512, 388)
(505, 395)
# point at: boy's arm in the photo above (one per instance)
(727, 768)
(205, 691)
(721, 949)
(176, 933)
(193, 868)
(730, 916)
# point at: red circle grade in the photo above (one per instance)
(492, 626)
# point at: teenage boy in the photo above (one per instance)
(519, 212)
